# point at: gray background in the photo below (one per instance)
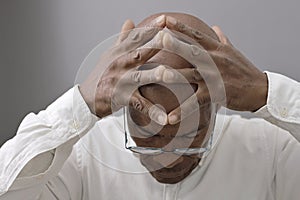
(42, 43)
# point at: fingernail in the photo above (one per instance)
(157, 115)
(195, 50)
(162, 119)
(160, 19)
(167, 40)
(159, 72)
(172, 20)
(168, 76)
(173, 119)
(157, 40)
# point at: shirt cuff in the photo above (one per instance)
(72, 111)
(57, 127)
(283, 102)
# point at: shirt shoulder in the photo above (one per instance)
(253, 133)
(255, 139)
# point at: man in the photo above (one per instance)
(247, 159)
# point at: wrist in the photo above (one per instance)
(87, 97)
(261, 93)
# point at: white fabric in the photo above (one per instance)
(52, 157)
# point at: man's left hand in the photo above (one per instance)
(245, 86)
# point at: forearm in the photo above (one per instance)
(44, 142)
(283, 104)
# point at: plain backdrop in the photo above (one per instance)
(43, 42)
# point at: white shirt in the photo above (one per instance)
(53, 157)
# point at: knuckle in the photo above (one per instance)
(136, 76)
(141, 35)
(135, 36)
(136, 55)
(149, 30)
(226, 61)
(197, 34)
(195, 50)
(142, 106)
(181, 27)
(196, 75)
(131, 59)
(137, 104)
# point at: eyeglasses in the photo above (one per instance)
(156, 151)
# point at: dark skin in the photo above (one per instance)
(169, 167)
(117, 85)
(244, 86)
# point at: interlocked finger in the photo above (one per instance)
(143, 77)
(202, 61)
(194, 54)
(138, 37)
(141, 104)
(190, 105)
(129, 80)
(134, 58)
(185, 109)
(185, 75)
(188, 51)
(127, 26)
(206, 41)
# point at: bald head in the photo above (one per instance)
(187, 19)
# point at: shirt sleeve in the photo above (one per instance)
(286, 167)
(283, 110)
(32, 160)
(283, 104)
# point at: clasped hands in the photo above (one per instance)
(223, 75)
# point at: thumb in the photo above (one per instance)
(127, 26)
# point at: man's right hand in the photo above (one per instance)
(118, 85)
